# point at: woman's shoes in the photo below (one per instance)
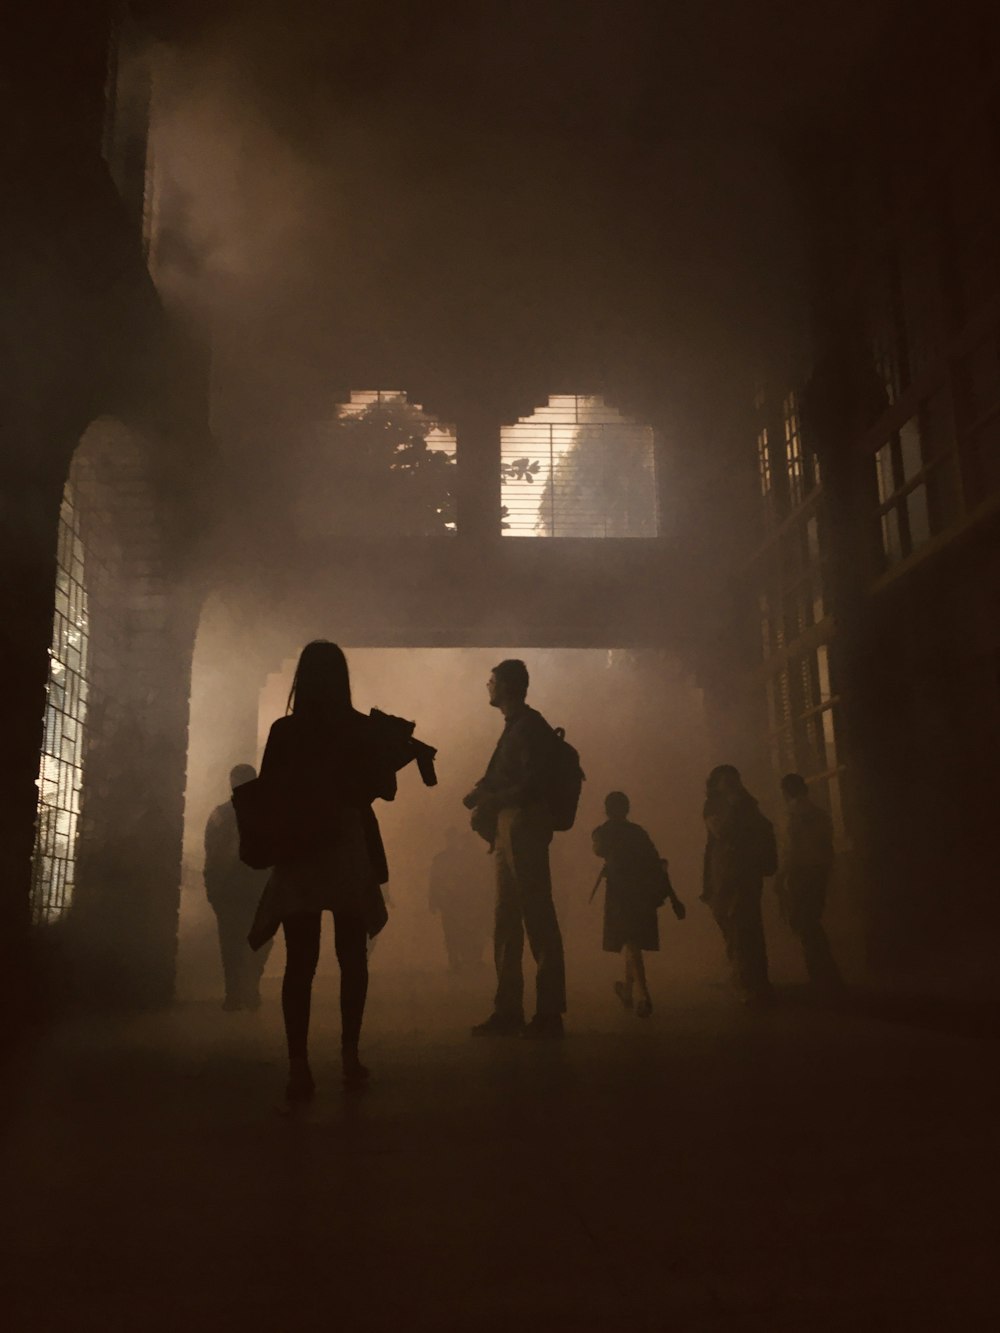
(354, 1072)
(623, 994)
(644, 1008)
(300, 1087)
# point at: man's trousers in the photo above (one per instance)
(524, 906)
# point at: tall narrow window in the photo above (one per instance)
(793, 451)
(60, 777)
(578, 468)
(764, 462)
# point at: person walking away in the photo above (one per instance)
(456, 894)
(636, 885)
(510, 809)
(804, 877)
(233, 890)
(739, 852)
(325, 766)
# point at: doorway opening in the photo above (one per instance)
(636, 718)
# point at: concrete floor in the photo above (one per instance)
(708, 1170)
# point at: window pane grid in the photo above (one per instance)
(60, 775)
(578, 468)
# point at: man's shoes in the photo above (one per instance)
(544, 1027)
(499, 1025)
(644, 1008)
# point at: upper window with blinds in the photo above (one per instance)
(578, 468)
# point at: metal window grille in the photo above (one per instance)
(60, 776)
(578, 468)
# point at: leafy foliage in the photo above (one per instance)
(390, 479)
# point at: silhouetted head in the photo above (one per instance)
(724, 781)
(793, 785)
(616, 805)
(508, 684)
(241, 773)
(322, 684)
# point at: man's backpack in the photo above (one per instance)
(565, 782)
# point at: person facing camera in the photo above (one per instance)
(232, 890)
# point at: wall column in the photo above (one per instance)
(478, 476)
(28, 536)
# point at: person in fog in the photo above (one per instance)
(325, 765)
(456, 894)
(233, 890)
(510, 811)
(740, 851)
(636, 885)
(803, 877)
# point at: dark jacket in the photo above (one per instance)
(516, 774)
(227, 880)
(809, 839)
(320, 763)
(739, 854)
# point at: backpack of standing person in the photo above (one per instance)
(564, 782)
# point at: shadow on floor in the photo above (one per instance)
(952, 1015)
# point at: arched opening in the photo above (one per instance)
(637, 718)
(111, 769)
(89, 629)
(578, 468)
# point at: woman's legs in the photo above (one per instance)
(351, 939)
(635, 975)
(302, 934)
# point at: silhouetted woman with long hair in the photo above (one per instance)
(324, 765)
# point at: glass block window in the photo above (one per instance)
(578, 468)
(60, 777)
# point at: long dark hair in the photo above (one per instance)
(322, 684)
(716, 776)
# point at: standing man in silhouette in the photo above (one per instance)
(739, 852)
(806, 863)
(233, 892)
(510, 811)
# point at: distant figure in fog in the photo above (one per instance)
(325, 761)
(233, 890)
(636, 886)
(510, 811)
(457, 895)
(803, 877)
(739, 853)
